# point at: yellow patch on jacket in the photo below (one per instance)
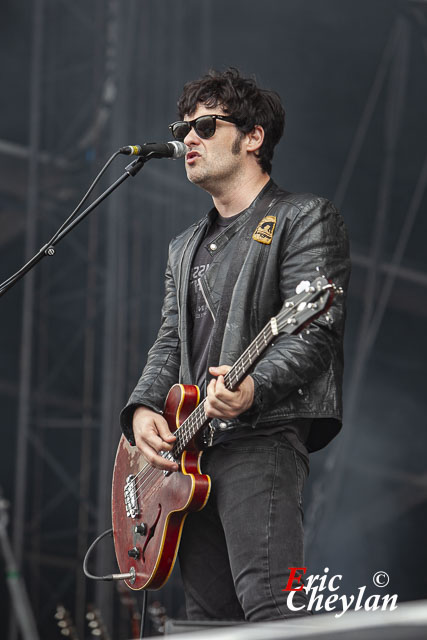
(264, 231)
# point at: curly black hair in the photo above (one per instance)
(241, 98)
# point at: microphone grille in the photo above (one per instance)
(179, 149)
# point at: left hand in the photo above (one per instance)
(222, 403)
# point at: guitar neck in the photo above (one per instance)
(197, 419)
(243, 365)
(312, 300)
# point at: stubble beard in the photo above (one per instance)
(207, 178)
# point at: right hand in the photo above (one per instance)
(152, 435)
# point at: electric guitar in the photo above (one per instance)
(149, 505)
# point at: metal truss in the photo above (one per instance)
(382, 277)
(90, 312)
(47, 541)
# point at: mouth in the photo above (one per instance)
(191, 157)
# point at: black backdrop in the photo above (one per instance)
(81, 79)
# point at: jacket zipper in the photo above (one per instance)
(180, 271)
(184, 286)
(205, 298)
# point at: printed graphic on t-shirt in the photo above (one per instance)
(200, 309)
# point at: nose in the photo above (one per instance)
(191, 138)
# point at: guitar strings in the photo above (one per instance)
(186, 429)
(191, 425)
(194, 421)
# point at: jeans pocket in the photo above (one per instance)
(301, 471)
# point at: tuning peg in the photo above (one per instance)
(302, 286)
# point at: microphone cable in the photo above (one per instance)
(46, 247)
(85, 197)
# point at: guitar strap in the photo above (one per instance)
(266, 201)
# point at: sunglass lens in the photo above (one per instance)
(205, 126)
(180, 130)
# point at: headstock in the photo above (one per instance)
(311, 300)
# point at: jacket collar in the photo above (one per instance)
(224, 236)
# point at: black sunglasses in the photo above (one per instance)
(204, 126)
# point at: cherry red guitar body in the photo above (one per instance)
(149, 507)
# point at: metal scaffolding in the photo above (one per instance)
(86, 321)
(90, 313)
(46, 488)
(380, 276)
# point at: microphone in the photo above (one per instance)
(173, 149)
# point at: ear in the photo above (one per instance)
(255, 138)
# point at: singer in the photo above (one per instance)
(226, 277)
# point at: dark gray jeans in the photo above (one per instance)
(235, 554)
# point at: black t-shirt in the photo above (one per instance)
(203, 321)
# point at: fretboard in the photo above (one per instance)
(197, 419)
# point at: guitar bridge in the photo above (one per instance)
(131, 498)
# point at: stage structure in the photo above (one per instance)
(382, 277)
(82, 308)
(90, 312)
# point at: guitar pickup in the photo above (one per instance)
(131, 498)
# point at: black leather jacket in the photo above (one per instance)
(298, 376)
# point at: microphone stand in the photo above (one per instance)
(49, 248)
(18, 593)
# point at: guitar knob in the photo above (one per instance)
(134, 553)
(141, 529)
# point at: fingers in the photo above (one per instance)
(152, 436)
(218, 390)
(222, 370)
(220, 402)
(164, 433)
(153, 427)
(223, 403)
(218, 386)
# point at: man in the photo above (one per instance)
(226, 277)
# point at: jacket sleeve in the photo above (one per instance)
(315, 238)
(163, 362)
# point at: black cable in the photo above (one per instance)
(86, 558)
(26, 266)
(85, 197)
(111, 577)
